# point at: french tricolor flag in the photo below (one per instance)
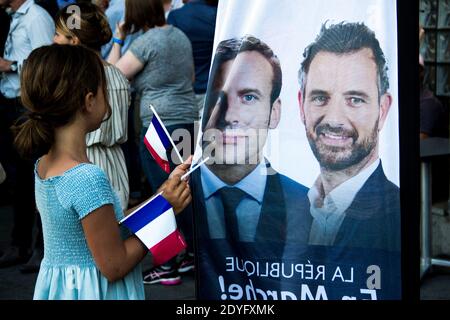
(158, 142)
(155, 225)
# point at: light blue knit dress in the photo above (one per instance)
(68, 270)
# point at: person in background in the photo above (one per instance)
(170, 5)
(176, 4)
(86, 256)
(167, 5)
(115, 13)
(433, 114)
(421, 38)
(103, 5)
(51, 6)
(30, 27)
(103, 145)
(197, 19)
(161, 64)
(2, 174)
(4, 27)
(64, 3)
(434, 122)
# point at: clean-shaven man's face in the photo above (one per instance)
(242, 114)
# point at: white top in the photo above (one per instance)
(328, 218)
(104, 143)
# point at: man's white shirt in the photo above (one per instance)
(328, 218)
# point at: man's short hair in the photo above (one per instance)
(229, 49)
(345, 38)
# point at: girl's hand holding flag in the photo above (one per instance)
(175, 190)
(154, 221)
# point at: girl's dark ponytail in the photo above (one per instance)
(34, 136)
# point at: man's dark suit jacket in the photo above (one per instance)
(371, 230)
(285, 201)
(373, 218)
(369, 236)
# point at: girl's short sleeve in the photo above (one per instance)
(85, 189)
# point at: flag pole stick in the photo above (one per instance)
(184, 176)
(165, 130)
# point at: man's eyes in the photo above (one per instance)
(351, 101)
(355, 101)
(319, 100)
(249, 98)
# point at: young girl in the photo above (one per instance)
(104, 143)
(85, 257)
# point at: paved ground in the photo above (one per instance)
(15, 285)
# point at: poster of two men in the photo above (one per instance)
(300, 197)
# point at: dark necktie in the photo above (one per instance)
(231, 197)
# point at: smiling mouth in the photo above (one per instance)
(335, 136)
(334, 139)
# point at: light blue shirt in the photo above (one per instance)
(248, 210)
(115, 14)
(31, 27)
(176, 4)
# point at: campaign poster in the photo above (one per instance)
(299, 199)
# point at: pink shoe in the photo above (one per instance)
(167, 277)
